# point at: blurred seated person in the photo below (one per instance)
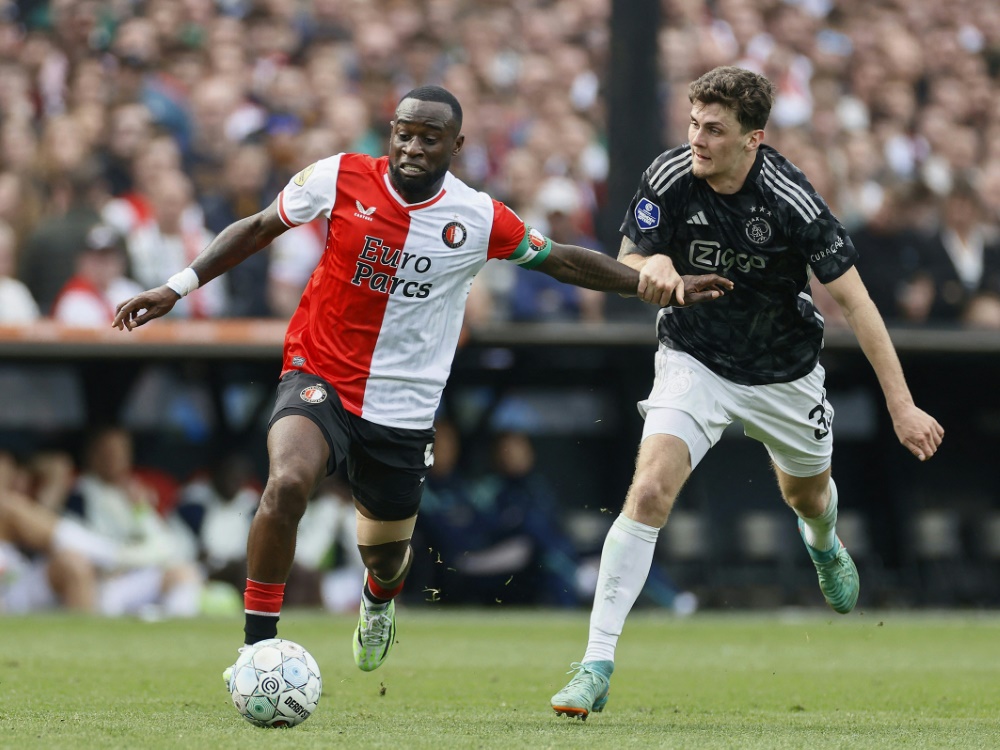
(89, 298)
(17, 306)
(328, 564)
(161, 578)
(889, 257)
(962, 258)
(47, 560)
(217, 509)
(546, 299)
(494, 540)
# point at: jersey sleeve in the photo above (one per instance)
(511, 239)
(824, 242)
(311, 193)
(647, 222)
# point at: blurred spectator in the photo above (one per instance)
(217, 509)
(328, 564)
(47, 259)
(247, 188)
(160, 578)
(89, 298)
(171, 240)
(889, 256)
(17, 306)
(962, 258)
(496, 539)
(546, 299)
(45, 561)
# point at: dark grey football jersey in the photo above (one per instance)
(768, 238)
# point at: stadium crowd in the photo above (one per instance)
(165, 121)
(132, 131)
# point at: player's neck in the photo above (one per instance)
(732, 181)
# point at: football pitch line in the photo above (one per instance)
(482, 679)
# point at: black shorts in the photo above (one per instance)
(386, 466)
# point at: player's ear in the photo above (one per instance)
(459, 142)
(754, 139)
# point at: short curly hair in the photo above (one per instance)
(746, 93)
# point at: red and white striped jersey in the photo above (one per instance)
(381, 315)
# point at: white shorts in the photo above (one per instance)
(793, 420)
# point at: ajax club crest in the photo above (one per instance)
(757, 230)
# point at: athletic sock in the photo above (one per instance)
(262, 602)
(625, 562)
(821, 531)
(377, 596)
(72, 536)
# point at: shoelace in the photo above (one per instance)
(376, 628)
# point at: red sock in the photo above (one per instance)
(381, 593)
(263, 598)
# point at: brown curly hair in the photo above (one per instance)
(746, 93)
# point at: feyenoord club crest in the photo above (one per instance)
(454, 234)
(313, 394)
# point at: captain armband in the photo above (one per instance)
(184, 282)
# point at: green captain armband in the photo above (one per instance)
(533, 250)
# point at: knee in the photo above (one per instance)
(286, 494)
(384, 560)
(649, 500)
(808, 501)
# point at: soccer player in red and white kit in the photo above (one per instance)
(370, 347)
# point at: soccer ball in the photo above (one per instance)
(275, 683)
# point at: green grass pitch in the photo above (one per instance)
(482, 679)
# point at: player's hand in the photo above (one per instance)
(659, 282)
(918, 431)
(702, 288)
(144, 307)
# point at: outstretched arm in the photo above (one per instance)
(593, 270)
(234, 244)
(915, 428)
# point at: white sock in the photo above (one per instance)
(72, 536)
(625, 562)
(821, 531)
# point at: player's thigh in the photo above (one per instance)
(794, 421)
(309, 428)
(688, 401)
(386, 468)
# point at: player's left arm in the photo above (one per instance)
(595, 270)
(917, 430)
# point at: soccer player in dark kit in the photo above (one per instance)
(726, 203)
(370, 346)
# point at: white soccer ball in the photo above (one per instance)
(275, 683)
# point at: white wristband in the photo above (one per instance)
(184, 282)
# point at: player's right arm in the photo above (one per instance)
(659, 282)
(231, 246)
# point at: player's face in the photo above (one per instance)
(722, 153)
(423, 140)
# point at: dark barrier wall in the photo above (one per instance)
(926, 533)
